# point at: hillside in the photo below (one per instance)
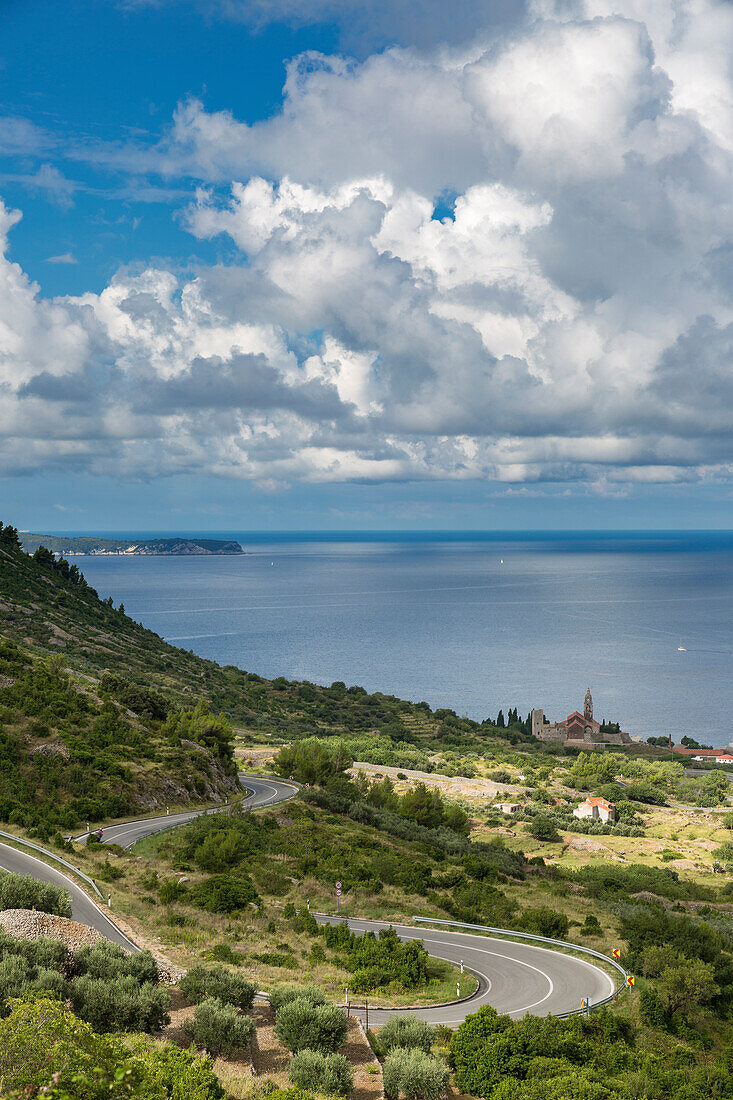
(90, 544)
(47, 606)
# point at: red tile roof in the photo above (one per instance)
(582, 717)
(600, 802)
(683, 751)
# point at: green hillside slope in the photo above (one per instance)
(46, 605)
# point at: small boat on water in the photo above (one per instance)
(681, 649)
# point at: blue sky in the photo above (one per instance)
(365, 264)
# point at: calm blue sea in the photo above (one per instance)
(469, 621)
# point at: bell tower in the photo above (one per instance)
(588, 708)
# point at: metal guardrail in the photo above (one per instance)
(553, 943)
(58, 859)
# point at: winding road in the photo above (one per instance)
(514, 978)
(263, 792)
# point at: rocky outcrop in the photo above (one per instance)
(53, 748)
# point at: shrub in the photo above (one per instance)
(170, 891)
(120, 1004)
(542, 827)
(219, 1028)
(591, 926)
(202, 982)
(41, 1038)
(15, 976)
(281, 959)
(47, 1051)
(223, 894)
(182, 1074)
(405, 1031)
(651, 1009)
(378, 960)
(44, 952)
(327, 1073)
(50, 981)
(25, 892)
(268, 1091)
(283, 994)
(301, 1025)
(108, 961)
(223, 953)
(414, 1075)
(545, 922)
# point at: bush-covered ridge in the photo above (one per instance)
(71, 751)
(47, 603)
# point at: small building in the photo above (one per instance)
(509, 807)
(720, 758)
(598, 809)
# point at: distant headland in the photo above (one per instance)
(68, 546)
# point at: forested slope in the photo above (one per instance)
(46, 605)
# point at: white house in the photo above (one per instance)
(597, 808)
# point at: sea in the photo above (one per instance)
(471, 621)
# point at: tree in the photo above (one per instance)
(230, 988)
(715, 788)
(219, 1028)
(310, 761)
(108, 960)
(283, 994)
(625, 810)
(206, 728)
(405, 1031)
(300, 1025)
(40, 1040)
(327, 1073)
(120, 1004)
(686, 985)
(414, 1075)
(542, 827)
(500, 720)
(26, 892)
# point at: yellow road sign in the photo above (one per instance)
(616, 953)
(629, 979)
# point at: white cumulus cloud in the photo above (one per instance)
(504, 258)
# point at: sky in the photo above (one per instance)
(366, 264)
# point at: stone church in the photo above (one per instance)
(577, 729)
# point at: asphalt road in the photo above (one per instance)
(83, 908)
(264, 792)
(515, 978)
